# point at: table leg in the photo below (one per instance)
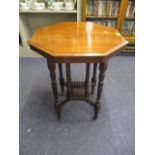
(87, 80)
(93, 81)
(61, 79)
(68, 80)
(102, 68)
(52, 67)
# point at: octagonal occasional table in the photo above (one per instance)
(72, 42)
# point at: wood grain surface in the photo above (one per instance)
(77, 39)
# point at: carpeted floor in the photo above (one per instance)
(78, 134)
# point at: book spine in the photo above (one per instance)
(125, 28)
(117, 8)
(133, 13)
(132, 9)
(128, 9)
(105, 6)
(133, 29)
(128, 27)
(104, 22)
(100, 8)
(113, 23)
(110, 8)
(113, 9)
(88, 8)
(99, 22)
(109, 23)
(93, 6)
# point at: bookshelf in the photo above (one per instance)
(118, 14)
(30, 20)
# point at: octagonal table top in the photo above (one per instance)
(77, 39)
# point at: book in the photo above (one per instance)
(111, 23)
(113, 9)
(99, 22)
(133, 29)
(116, 8)
(104, 8)
(110, 8)
(128, 9)
(127, 27)
(93, 7)
(133, 13)
(104, 22)
(90, 3)
(132, 9)
(100, 6)
(88, 8)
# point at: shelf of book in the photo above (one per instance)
(119, 14)
(101, 11)
(128, 27)
(130, 11)
(98, 8)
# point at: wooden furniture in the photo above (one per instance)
(31, 20)
(82, 42)
(123, 16)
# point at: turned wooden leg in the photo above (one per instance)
(61, 79)
(87, 80)
(52, 66)
(93, 81)
(102, 68)
(68, 80)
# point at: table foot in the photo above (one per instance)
(96, 111)
(58, 111)
(95, 118)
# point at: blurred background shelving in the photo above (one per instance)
(119, 14)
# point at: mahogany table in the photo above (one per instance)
(72, 42)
